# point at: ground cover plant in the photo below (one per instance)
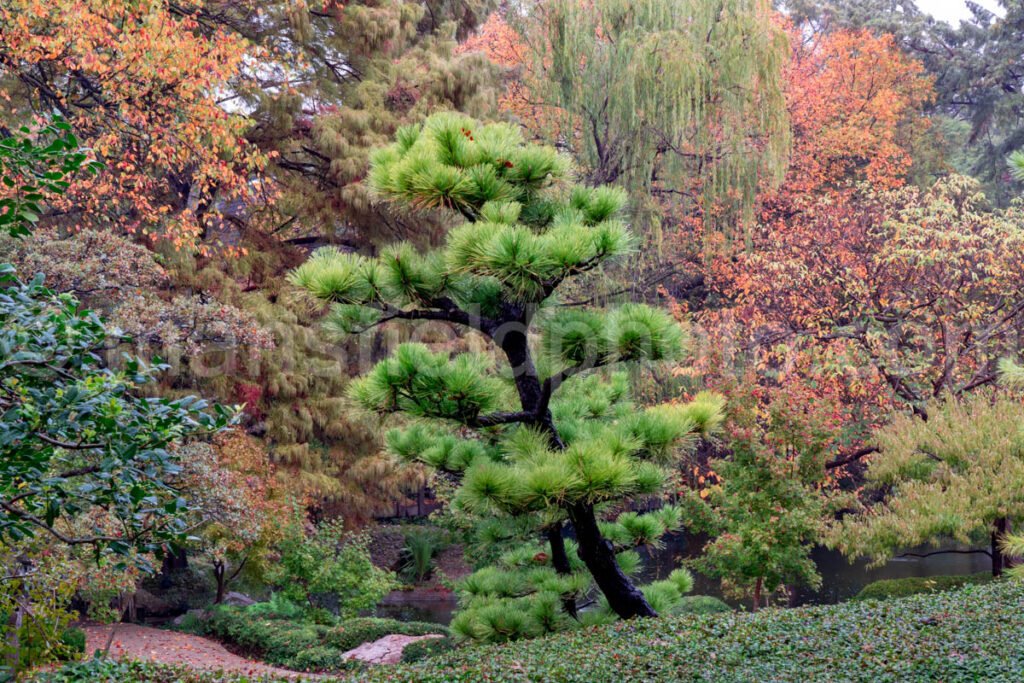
(973, 633)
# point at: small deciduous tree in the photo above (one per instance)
(957, 475)
(328, 566)
(236, 506)
(767, 506)
(527, 450)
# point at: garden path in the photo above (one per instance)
(133, 641)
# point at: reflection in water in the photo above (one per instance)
(412, 606)
(840, 579)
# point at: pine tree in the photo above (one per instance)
(521, 447)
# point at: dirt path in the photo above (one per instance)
(169, 647)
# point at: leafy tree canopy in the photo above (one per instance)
(84, 458)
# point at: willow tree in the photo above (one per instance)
(667, 97)
(518, 445)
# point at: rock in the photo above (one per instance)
(387, 650)
(238, 600)
(200, 614)
(149, 605)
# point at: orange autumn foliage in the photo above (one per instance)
(855, 104)
(139, 80)
(502, 45)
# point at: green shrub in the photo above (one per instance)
(417, 557)
(422, 649)
(321, 658)
(913, 585)
(276, 641)
(73, 640)
(278, 607)
(192, 623)
(701, 604)
(125, 671)
(302, 645)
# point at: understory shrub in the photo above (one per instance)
(701, 604)
(329, 568)
(421, 649)
(912, 585)
(354, 632)
(417, 557)
(302, 645)
(101, 670)
(73, 640)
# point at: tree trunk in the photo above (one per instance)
(560, 561)
(595, 550)
(220, 573)
(757, 593)
(14, 624)
(1000, 528)
(599, 555)
(175, 560)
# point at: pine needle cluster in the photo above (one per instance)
(533, 433)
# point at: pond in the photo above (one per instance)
(841, 579)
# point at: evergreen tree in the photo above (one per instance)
(338, 80)
(520, 447)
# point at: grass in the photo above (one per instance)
(974, 633)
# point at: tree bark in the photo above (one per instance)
(220, 573)
(560, 561)
(595, 550)
(175, 560)
(757, 593)
(598, 554)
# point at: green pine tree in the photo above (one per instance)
(526, 438)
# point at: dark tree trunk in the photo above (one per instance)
(595, 550)
(599, 555)
(220, 573)
(757, 593)
(174, 561)
(1000, 528)
(560, 561)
